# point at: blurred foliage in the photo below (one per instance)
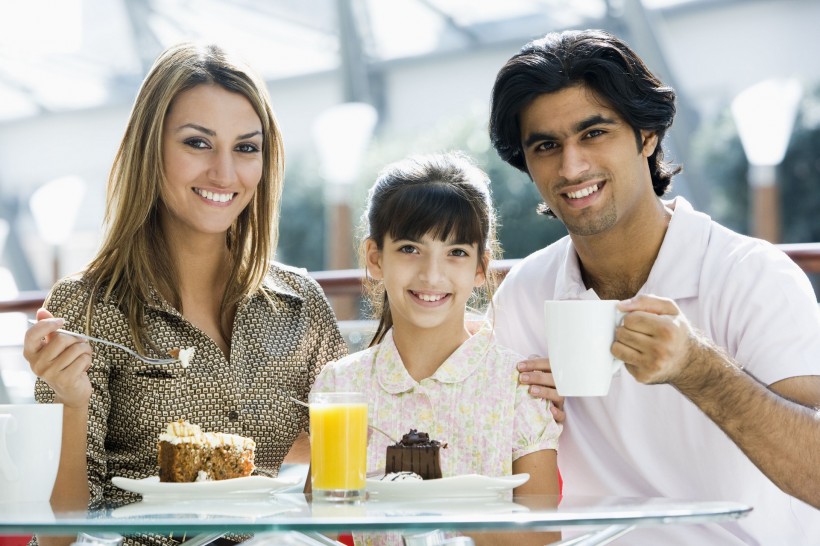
(521, 231)
(719, 156)
(716, 153)
(302, 218)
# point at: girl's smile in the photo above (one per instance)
(428, 298)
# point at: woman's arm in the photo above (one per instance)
(62, 362)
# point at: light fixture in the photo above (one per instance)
(342, 134)
(54, 206)
(764, 115)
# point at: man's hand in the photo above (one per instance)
(536, 372)
(655, 341)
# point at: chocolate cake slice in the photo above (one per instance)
(415, 453)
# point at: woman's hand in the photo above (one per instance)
(536, 372)
(59, 360)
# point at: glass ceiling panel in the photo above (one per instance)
(74, 54)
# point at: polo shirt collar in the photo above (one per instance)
(394, 379)
(676, 271)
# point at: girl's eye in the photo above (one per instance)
(247, 148)
(460, 252)
(407, 249)
(196, 143)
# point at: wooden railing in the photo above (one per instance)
(347, 283)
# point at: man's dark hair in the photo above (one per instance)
(602, 63)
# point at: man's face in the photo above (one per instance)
(584, 160)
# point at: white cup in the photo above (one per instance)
(30, 439)
(579, 337)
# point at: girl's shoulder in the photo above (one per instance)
(364, 359)
(497, 351)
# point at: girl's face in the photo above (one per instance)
(212, 149)
(428, 282)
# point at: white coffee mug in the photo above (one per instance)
(579, 337)
(30, 439)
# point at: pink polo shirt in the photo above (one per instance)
(649, 440)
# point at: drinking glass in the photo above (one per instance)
(338, 445)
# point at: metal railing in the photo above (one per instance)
(347, 283)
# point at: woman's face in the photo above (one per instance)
(212, 149)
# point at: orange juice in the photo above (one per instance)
(338, 445)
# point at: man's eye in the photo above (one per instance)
(546, 146)
(595, 132)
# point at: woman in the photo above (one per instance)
(193, 202)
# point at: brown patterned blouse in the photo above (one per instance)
(282, 336)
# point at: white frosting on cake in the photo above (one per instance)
(183, 432)
(403, 476)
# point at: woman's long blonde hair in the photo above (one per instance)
(134, 258)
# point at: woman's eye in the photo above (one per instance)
(196, 143)
(247, 148)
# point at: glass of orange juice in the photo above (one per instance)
(338, 445)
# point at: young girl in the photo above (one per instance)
(430, 235)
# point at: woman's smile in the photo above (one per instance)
(214, 197)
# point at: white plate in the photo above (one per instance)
(152, 488)
(468, 485)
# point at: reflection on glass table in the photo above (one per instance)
(600, 518)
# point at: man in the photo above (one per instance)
(721, 340)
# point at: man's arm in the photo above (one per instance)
(777, 427)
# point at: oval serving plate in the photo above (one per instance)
(250, 485)
(467, 485)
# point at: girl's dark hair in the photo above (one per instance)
(602, 63)
(443, 195)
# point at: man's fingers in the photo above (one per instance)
(536, 378)
(534, 363)
(650, 304)
(557, 413)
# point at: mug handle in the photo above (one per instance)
(617, 363)
(7, 424)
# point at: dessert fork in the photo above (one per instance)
(146, 359)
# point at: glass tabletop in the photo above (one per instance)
(296, 512)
